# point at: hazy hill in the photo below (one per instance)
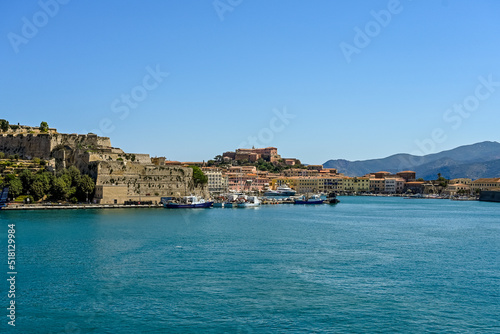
(474, 161)
(451, 169)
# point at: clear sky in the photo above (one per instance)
(318, 79)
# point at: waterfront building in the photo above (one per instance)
(235, 181)
(304, 185)
(300, 172)
(407, 175)
(461, 181)
(356, 184)
(415, 187)
(454, 189)
(242, 169)
(394, 185)
(377, 185)
(310, 184)
(282, 181)
(217, 181)
(381, 175)
(485, 184)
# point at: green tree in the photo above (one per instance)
(84, 187)
(4, 125)
(2, 155)
(41, 184)
(44, 127)
(198, 176)
(37, 189)
(70, 175)
(443, 182)
(14, 184)
(27, 178)
(59, 189)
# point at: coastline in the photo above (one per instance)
(266, 201)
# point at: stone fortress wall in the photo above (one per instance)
(120, 181)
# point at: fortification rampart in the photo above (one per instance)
(120, 181)
(42, 145)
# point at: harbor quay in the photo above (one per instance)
(78, 206)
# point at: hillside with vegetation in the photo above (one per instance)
(30, 181)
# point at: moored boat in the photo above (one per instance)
(188, 202)
(251, 201)
(313, 199)
(281, 191)
(331, 198)
(231, 201)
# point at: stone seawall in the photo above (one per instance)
(490, 196)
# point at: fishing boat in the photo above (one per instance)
(313, 199)
(331, 198)
(251, 201)
(232, 201)
(188, 202)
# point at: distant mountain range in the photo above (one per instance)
(471, 161)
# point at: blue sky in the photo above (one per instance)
(224, 70)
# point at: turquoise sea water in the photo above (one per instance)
(365, 265)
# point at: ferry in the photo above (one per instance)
(188, 202)
(281, 191)
(313, 199)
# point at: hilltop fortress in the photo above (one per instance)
(119, 176)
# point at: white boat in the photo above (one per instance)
(283, 190)
(231, 201)
(188, 202)
(251, 201)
